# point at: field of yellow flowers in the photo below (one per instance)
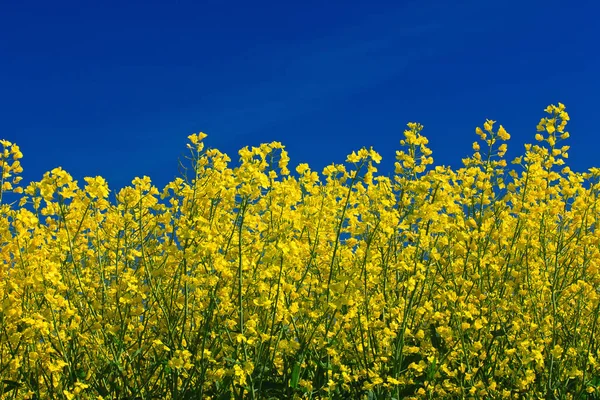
(253, 283)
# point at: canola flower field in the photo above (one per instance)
(250, 282)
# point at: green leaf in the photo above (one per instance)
(431, 370)
(295, 376)
(9, 385)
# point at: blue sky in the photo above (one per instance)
(114, 88)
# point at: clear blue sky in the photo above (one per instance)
(114, 88)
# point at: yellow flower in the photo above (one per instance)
(353, 158)
(557, 351)
(488, 125)
(503, 134)
(375, 156)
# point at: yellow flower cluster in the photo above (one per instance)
(249, 282)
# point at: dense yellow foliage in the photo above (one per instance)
(252, 282)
